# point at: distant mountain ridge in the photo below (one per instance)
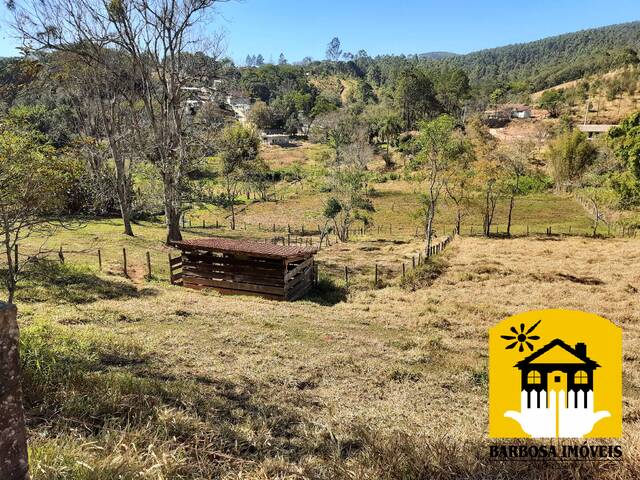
(437, 55)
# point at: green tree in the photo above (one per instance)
(570, 153)
(347, 179)
(415, 97)
(34, 181)
(261, 115)
(624, 140)
(388, 130)
(439, 146)
(333, 50)
(517, 159)
(487, 169)
(238, 147)
(553, 101)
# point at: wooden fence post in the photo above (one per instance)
(148, 266)
(346, 275)
(203, 224)
(288, 239)
(413, 261)
(375, 278)
(13, 436)
(99, 260)
(403, 271)
(124, 258)
(217, 224)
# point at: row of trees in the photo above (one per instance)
(461, 164)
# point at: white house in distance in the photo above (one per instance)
(520, 111)
(240, 106)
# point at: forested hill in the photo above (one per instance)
(553, 60)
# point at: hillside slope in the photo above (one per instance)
(553, 60)
(611, 96)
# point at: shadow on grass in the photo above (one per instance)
(74, 391)
(327, 292)
(48, 280)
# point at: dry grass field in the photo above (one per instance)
(138, 379)
(132, 378)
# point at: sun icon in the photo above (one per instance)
(522, 338)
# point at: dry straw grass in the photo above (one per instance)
(159, 382)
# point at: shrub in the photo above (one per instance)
(424, 274)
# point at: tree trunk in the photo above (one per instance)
(171, 209)
(123, 181)
(124, 200)
(233, 213)
(11, 264)
(14, 463)
(487, 217)
(511, 203)
(429, 230)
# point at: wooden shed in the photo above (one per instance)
(244, 267)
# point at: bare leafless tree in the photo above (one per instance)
(157, 38)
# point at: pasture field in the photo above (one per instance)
(130, 378)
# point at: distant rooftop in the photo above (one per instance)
(595, 128)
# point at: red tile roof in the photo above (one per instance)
(251, 247)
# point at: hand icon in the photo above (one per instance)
(538, 420)
(577, 418)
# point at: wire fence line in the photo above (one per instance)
(140, 263)
(152, 263)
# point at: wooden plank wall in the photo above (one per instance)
(299, 279)
(234, 274)
(175, 270)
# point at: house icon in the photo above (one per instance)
(558, 367)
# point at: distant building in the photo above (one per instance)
(503, 113)
(593, 130)
(275, 137)
(240, 106)
(519, 111)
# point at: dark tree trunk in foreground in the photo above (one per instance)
(13, 437)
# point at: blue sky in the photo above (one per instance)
(300, 28)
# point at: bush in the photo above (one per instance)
(425, 273)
